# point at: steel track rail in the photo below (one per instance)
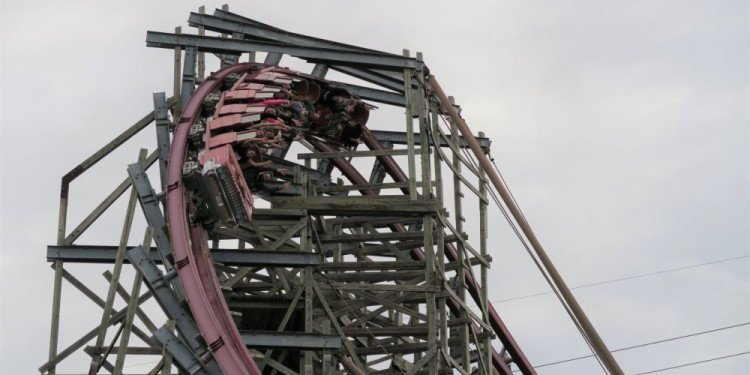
(191, 253)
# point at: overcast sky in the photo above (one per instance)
(622, 128)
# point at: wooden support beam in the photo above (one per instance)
(361, 206)
(407, 348)
(418, 330)
(371, 266)
(352, 154)
(130, 350)
(381, 287)
(384, 266)
(379, 276)
(362, 237)
(358, 221)
(341, 188)
(117, 268)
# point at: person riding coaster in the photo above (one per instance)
(268, 110)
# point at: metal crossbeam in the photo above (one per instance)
(400, 138)
(220, 23)
(161, 118)
(223, 21)
(188, 76)
(361, 206)
(375, 95)
(290, 340)
(106, 254)
(185, 359)
(333, 56)
(150, 205)
(159, 285)
(389, 80)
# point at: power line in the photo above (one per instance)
(693, 363)
(608, 281)
(650, 343)
(627, 278)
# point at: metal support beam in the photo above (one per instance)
(161, 118)
(149, 201)
(226, 22)
(386, 79)
(229, 22)
(230, 59)
(410, 138)
(229, 257)
(201, 55)
(150, 205)
(273, 58)
(486, 349)
(316, 177)
(319, 70)
(185, 359)
(158, 284)
(375, 95)
(359, 205)
(290, 340)
(177, 72)
(324, 55)
(399, 138)
(130, 313)
(462, 352)
(117, 268)
(188, 76)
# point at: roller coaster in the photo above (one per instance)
(266, 265)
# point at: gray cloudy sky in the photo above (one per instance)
(622, 128)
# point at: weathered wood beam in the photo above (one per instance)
(360, 206)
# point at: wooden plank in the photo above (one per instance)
(352, 154)
(358, 221)
(340, 188)
(201, 55)
(177, 77)
(410, 298)
(387, 249)
(130, 350)
(361, 237)
(117, 268)
(350, 349)
(387, 302)
(371, 266)
(276, 213)
(360, 206)
(374, 276)
(381, 287)
(418, 330)
(408, 347)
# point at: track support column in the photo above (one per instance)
(116, 270)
